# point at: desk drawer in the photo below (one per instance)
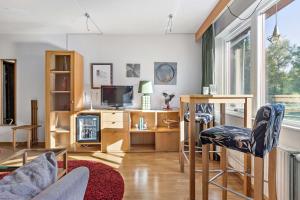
(113, 116)
(113, 124)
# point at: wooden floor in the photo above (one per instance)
(155, 176)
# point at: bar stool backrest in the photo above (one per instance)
(266, 129)
(205, 108)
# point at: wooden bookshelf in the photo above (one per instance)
(63, 94)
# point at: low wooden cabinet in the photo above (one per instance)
(158, 135)
(114, 131)
(119, 131)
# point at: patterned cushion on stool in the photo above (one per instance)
(200, 117)
(228, 136)
(263, 137)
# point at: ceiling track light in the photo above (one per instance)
(169, 27)
(88, 18)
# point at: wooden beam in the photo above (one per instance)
(221, 5)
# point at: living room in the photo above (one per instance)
(102, 93)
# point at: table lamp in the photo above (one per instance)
(145, 87)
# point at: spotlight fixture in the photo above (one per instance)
(88, 17)
(276, 35)
(169, 27)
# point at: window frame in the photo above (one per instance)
(258, 63)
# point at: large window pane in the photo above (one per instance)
(283, 58)
(239, 67)
(240, 64)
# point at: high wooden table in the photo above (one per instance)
(192, 100)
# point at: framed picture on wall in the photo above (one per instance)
(101, 74)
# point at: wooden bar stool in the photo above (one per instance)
(204, 119)
(259, 141)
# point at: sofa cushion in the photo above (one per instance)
(29, 180)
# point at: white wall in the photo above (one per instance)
(118, 49)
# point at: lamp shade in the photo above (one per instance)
(145, 87)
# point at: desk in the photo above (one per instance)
(192, 100)
(29, 128)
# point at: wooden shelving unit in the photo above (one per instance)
(157, 136)
(64, 89)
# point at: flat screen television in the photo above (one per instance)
(116, 96)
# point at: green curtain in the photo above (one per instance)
(208, 56)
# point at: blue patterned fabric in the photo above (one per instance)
(203, 113)
(258, 141)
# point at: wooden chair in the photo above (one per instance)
(31, 129)
(259, 141)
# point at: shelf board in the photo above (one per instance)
(61, 111)
(142, 148)
(61, 130)
(60, 72)
(166, 129)
(133, 130)
(158, 129)
(60, 92)
(88, 143)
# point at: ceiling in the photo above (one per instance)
(111, 16)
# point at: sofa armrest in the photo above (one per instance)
(70, 187)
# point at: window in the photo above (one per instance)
(239, 65)
(283, 58)
(8, 94)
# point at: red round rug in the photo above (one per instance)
(105, 183)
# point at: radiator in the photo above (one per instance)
(288, 175)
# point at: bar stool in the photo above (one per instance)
(204, 119)
(259, 141)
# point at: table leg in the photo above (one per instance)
(192, 150)
(29, 139)
(14, 139)
(25, 158)
(247, 157)
(205, 173)
(181, 137)
(65, 161)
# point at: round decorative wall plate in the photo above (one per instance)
(165, 72)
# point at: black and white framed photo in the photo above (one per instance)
(133, 70)
(101, 74)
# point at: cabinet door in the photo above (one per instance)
(114, 141)
(167, 141)
(77, 82)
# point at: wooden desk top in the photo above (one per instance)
(128, 110)
(200, 98)
(25, 127)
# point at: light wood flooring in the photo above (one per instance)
(154, 176)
